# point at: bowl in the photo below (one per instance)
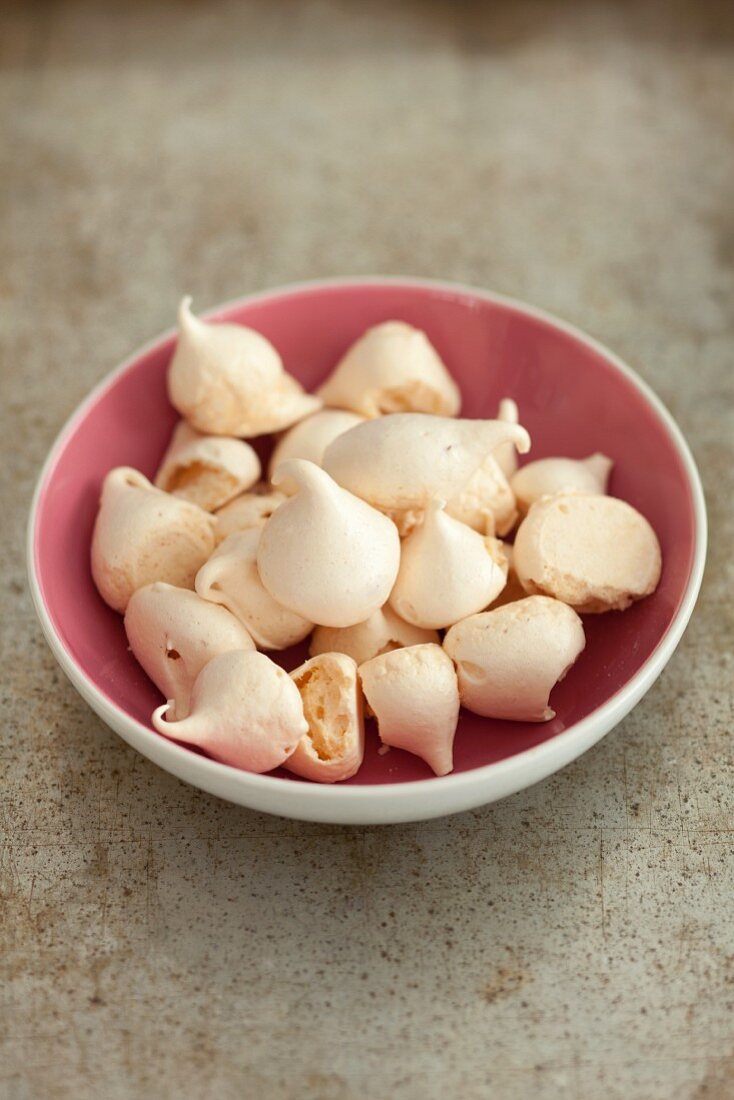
(575, 397)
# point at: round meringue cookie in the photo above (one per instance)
(405, 460)
(392, 368)
(596, 553)
(310, 438)
(231, 578)
(142, 535)
(508, 660)
(226, 379)
(173, 633)
(245, 711)
(548, 476)
(486, 503)
(414, 696)
(208, 470)
(506, 454)
(447, 571)
(333, 747)
(248, 510)
(381, 633)
(326, 554)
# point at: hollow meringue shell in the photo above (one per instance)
(414, 695)
(596, 553)
(447, 571)
(208, 470)
(310, 437)
(381, 633)
(226, 379)
(508, 660)
(392, 368)
(173, 633)
(548, 476)
(231, 578)
(486, 503)
(142, 535)
(245, 711)
(325, 553)
(248, 510)
(333, 747)
(405, 460)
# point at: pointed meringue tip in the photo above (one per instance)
(301, 472)
(600, 464)
(158, 717)
(519, 436)
(185, 316)
(508, 411)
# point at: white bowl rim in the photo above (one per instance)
(411, 800)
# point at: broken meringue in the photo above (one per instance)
(208, 470)
(231, 578)
(249, 510)
(447, 571)
(486, 503)
(333, 747)
(548, 476)
(392, 368)
(226, 379)
(310, 438)
(245, 711)
(173, 633)
(142, 534)
(325, 553)
(414, 696)
(596, 553)
(508, 660)
(381, 633)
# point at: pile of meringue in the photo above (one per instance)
(382, 531)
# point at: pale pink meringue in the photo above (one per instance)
(310, 437)
(249, 510)
(381, 633)
(208, 470)
(548, 476)
(333, 747)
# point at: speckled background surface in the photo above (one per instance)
(576, 940)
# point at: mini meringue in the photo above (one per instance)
(486, 502)
(403, 461)
(381, 633)
(506, 453)
(325, 553)
(596, 553)
(548, 476)
(208, 470)
(173, 633)
(226, 379)
(231, 578)
(333, 747)
(310, 437)
(447, 571)
(142, 534)
(248, 510)
(392, 368)
(508, 660)
(414, 695)
(245, 711)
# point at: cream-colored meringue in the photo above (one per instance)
(381, 633)
(325, 553)
(333, 747)
(506, 453)
(549, 476)
(248, 510)
(513, 590)
(596, 553)
(208, 470)
(407, 459)
(414, 695)
(142, 534)
(310, 438)
(447, 571)
(508, 660)
(227, 379)
(486, 503)
(173, 633)
(392, 368)
(245, 711)
(231, 578)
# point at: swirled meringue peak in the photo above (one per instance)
(405, 460)
(245, 711)
(310, 438)
(381, 633)
(173, 633)
(508, 660)
(325, 553)
(333, 748)
(208, 470)
(392, 368)
(142, 535)
(231, 578)
(447, 571)
(226, 379)
(251, 509)
(414, 696)
(548, 476)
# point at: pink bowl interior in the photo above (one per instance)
(572, 399)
